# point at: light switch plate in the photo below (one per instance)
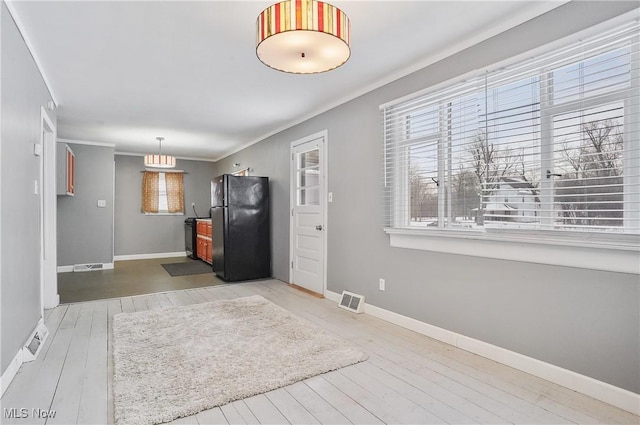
(102, 203)
(37, 149)
(330, 197)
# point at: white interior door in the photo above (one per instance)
(308, 204)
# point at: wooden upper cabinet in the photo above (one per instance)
(65, 170)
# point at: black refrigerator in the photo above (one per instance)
(240, 227)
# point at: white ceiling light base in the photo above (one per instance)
(303, 52)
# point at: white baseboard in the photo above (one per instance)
(56, 302)
(599, 390)
(69, 269)
(149, 256)
(17, 361)
(332, 296)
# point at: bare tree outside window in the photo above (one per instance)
(466, 193)
(590, 191)
(494, 167)
(424, 197)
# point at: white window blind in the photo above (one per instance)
(551, 143)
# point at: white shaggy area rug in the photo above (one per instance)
(179, 361)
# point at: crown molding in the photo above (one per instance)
(84, 142)
(184, 158)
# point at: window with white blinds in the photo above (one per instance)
(551, 143)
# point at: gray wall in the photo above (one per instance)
(23, 94)
(583, 320)
(85, 232)
(137, 233)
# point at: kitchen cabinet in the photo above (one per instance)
(203, 240)
(65, 170)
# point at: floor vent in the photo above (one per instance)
(33, 347)
(352, 302)
(87, 267)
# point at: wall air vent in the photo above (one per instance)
(87, 267)
(34, 345)
(352, 302)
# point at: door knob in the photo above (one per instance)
(319, 227)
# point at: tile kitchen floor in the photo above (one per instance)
(129, 278)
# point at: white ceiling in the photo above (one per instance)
(125, 72)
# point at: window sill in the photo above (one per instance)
(163, 213)
(533, 247)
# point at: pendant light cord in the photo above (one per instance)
(160, 139)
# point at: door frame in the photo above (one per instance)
(324, 134)
(49, 297)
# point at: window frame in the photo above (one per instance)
(592, 250)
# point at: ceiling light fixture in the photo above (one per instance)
(303, 36)
(159, 161)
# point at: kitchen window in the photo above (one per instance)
(542, 150)
(162, 192)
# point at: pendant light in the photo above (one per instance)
(303, 36)
(159, 161)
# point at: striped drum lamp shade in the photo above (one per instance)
(303, 36)
(160, 160)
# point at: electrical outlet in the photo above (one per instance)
(102, 203)
(193, 205)
(382, 285)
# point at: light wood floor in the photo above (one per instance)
(408, 379)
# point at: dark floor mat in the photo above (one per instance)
(187, 268)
